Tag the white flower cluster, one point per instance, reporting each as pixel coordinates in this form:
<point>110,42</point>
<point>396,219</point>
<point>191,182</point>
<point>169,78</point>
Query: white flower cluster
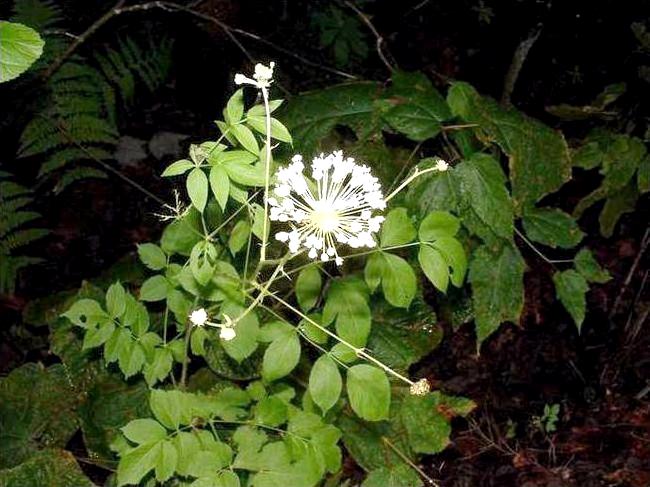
<point>199,317</point>
<point>334,206</point>
<point>262,78</point>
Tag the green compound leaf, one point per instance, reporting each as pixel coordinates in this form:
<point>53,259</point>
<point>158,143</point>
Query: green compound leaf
<point>397,229</point>
<point>281,357</point>
<point>239,236</point>
<point>398,476</point>
<point>396,276</point>
<point>155,288</point>
<point>434,266</point>
<point>552,227</point>
<point>246,138</point>
<point>347,303</point>
<point>20,47</point>
<point>220,185</point>
<point>589,268</point>
<point>438,224</point>
<point>144,430</point>
<point>369,392</point>
<point>539,157</point>
<point>152,256</point>
<point>197,188</point>
<point>325,383</point>
<point>308,287</point>
<point>498,288</point>
<point>116,300</point>
<point>571,288</point>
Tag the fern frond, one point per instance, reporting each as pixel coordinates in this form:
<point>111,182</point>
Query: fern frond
<point>77,174</point>
<point>9,189</point>
<point>16,204</point>
<point>12,220</point>
<point>38,14</point>
<point>60,158</point>
<point>19,239</point>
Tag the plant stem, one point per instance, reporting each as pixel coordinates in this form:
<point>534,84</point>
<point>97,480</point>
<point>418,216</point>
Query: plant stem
<point>416,174</point>
<point>188,334</point>
<point>267,173</point>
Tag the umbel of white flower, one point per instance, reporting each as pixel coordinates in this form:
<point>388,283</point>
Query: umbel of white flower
<point>199,317</point>
<point>262,78</point>
<point>334,206</point>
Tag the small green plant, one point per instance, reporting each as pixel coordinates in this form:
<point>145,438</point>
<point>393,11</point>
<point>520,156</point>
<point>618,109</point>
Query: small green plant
<point>342,34</point>
<point>547,422</point>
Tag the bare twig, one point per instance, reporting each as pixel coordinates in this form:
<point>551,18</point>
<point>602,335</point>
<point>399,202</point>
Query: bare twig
<point>539,252</point>
<point>380,40</point>
<point>518,59</point>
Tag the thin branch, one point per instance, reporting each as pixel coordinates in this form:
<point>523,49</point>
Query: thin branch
<point>539,252</point>
<point>518,59</point>
<point>380,40</point>
<point>645,242</point>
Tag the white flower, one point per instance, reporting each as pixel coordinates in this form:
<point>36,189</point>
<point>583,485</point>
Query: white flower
<point>262,78</point>
<point>334,206</point>
<point>199,317</point>
<point>441,165</point>
<point>227,333</point>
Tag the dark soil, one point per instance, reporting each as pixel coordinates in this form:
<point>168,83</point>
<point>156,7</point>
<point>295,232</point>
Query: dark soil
<point>599,378</point>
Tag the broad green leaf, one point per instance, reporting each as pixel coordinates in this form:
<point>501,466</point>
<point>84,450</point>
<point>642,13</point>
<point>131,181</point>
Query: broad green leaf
<point>220,185</point>
<point>397,278</point>
<point>438,224</point>
<point>433,191</point>
<point>239,236</point>
<point>552,227</point>
<point>311,116</point>
<point>589,268</point>
<point>86,313</point>
<point>20,47</point>
<point>416,89</point>
<point>234,156</point>
<point>308,287</point>
<point>259,110</point>
<point>178,168</point>
<point>116,300</point>
<point>245,343</point>
<point>167,407</point>
<point>347,303</point>
<point>398,476</point>
<point>161,365</point>
<point>571,288</point>
<point>51,466</point>
<point>258,222</point>
<point>311,331</point>
<point>152,256</point>
<point>274,329</point>
<point>180,236</point>
<point>413,121</point>
<point>397,229</point>
<point>619,203</point>
<point>325,383</point>
<point>344,353</point>
<point>144,430</point>
<point>155,289</point>
<point>166,461</point>
<point>235,107</point>
<point>95,337</point>
<point>483,192</point>
<point>137,463</point>
<point>497,286</point>
<point>539,157</point>
<point>369,392</point>
<point>281,357</point>
<point>454,253</point>
<point>434,266</point>
<point>278,131</point>
<point>246,138</point>
<point>271,411</point>
<point>245,174</point>
<point>203,260</point>
<point>131,358</point>
<point>197,188</point>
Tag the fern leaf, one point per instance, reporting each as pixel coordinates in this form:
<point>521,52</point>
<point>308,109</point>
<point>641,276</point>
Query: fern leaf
<point>77,174</point>
<point>13,220</point>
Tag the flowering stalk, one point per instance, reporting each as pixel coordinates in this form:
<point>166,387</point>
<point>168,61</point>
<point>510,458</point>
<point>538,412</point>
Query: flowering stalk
<point>440,166</point>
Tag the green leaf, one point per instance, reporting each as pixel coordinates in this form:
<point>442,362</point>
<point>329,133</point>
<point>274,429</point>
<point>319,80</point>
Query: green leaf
<point>245,174</point>
<point>271,411</point>
<point>571,288</point>
<point>397,229</point>
<point>86,313</point>
<point>483,192</point>
<point>137,463</point>
<point>438,224</point>
<point>220,185</point>
<point>235,107</point>
<point>281,357</point>
<point>454,253</point>
<point>116,300</point>
<point>144,430</point>
<point>347,303</point>
<point>369,392</point>
<point>398,476</point>
<point>203,259</point>
<point>434,266</point>
<point>161,365</point>
<point>616,205</point>
<point>308,287</point>
<point>246,138</point>
<point>278,131</point>
<point>643,175</point>
<point>414,122</point>
<point>166,461</point>
<point>397,278</point>
<point>131,358</point>
<point>98,336</point>
<point>197,188</point>
<point>552,227</point>
<point>52,467</point>
<point>20,47</point>
<point>178,168</point>
<point>311,116</point>
<point>589,268</point>
<point>155,289</point>
<point>167,407</point>
<point>539,157</point>
<point>239,236</point>
<point>497,286</point>
<point>433,191</point>
<point>152,256</point>
<point>245,343</point>
<point>325,383</point>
